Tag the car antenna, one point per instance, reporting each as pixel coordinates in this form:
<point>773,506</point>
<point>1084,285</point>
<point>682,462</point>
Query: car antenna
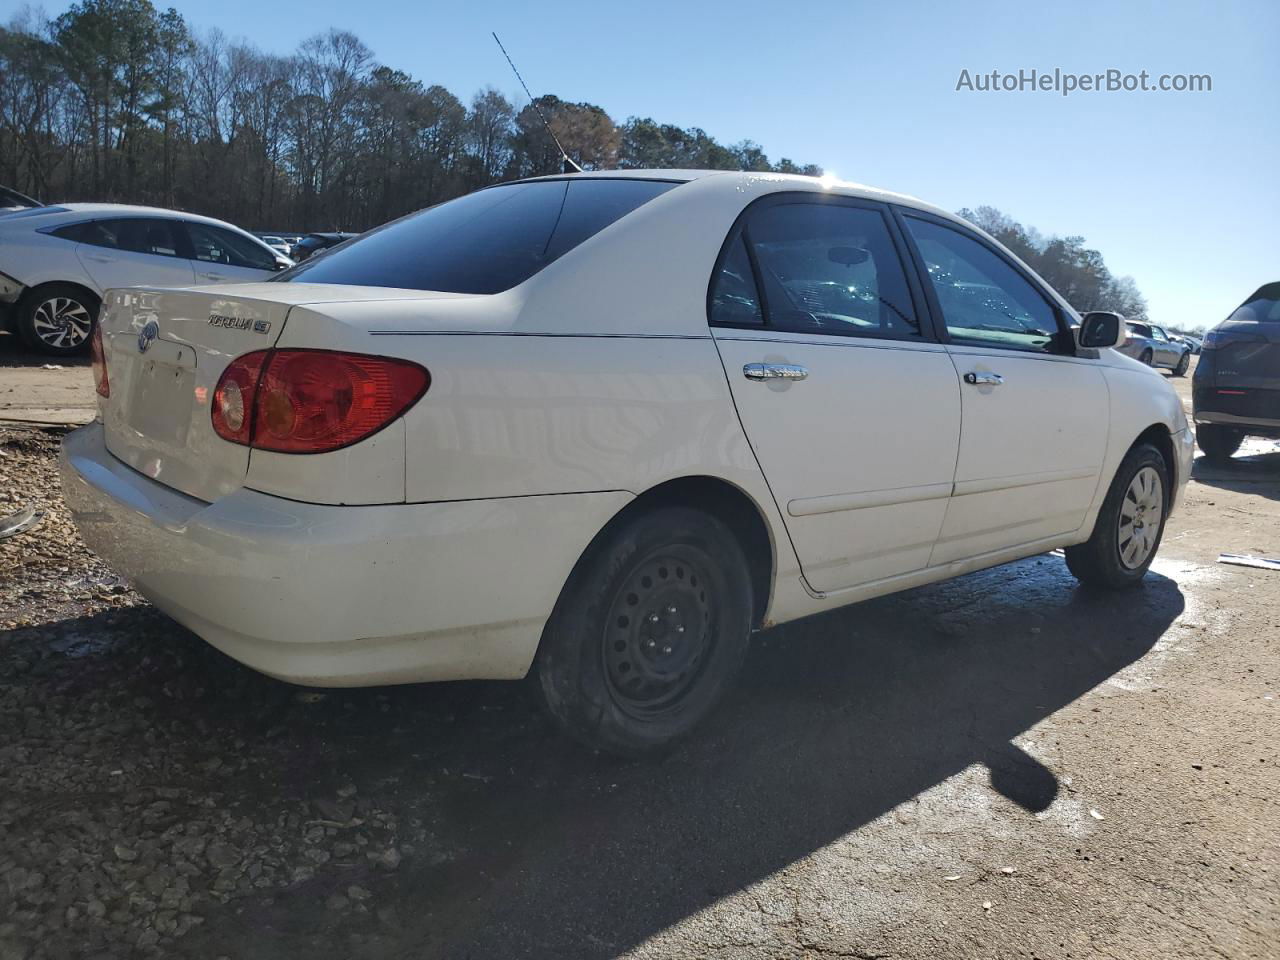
<point>569,166</point>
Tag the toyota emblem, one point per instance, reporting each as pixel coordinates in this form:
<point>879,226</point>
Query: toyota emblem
<point>147,334</point>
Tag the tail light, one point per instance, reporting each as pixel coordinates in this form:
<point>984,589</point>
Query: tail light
<point>312,401</point>
<point>100,381</point>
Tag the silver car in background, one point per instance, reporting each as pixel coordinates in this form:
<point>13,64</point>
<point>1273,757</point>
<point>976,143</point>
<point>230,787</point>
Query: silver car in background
<point>1155,348</point>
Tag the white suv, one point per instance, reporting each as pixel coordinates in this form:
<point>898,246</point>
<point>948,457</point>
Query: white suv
<point>56,261</point>
<point>605,426</point>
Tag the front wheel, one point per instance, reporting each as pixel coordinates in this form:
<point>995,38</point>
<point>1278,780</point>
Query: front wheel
<point>1218,442</point>
<point>1183,362</point>
<point>1129,525</point>
<point>648,633</point>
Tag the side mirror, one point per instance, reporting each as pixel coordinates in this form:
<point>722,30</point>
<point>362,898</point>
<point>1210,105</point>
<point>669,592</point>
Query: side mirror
<point>1099,329</point>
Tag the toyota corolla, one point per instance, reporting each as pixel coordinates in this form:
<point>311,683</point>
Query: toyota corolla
<point>602,427</point>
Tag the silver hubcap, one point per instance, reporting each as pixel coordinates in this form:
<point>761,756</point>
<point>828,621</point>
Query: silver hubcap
<point>62,322</point>
<point>1140,513</point>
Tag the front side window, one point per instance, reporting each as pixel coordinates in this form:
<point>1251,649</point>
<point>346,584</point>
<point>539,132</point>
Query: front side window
<point>1159,334</point>
<point>830,268</point>
<point>985,301</point>
<point>212,244</point>
<point>484,242</point>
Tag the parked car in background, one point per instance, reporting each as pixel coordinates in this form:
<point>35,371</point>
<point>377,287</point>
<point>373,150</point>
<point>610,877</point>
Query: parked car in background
<point>601,428</point>
<point>1236,388</point>
<point>56,261</point>
<point>278,244</point>
<point>11,199</point>
<point>1151,345</point>
<point>313,243</point>
<point>1192,342</point>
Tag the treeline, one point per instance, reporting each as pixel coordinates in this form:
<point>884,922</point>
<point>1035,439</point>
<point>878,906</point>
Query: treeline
<point>1074,270</point>
<point>114,100</point>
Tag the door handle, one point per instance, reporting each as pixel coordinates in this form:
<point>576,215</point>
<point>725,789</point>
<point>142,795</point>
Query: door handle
<point>774,371</point>
<point>984,379</point>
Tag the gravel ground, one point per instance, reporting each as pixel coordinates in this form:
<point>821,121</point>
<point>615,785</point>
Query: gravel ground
<point>1003,765</point>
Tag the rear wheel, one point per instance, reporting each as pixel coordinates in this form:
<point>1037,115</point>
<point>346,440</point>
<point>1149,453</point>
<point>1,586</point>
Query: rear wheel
<point>1147,357</point>
<point>1184,361</point>
<point>1218,442</point>
<point>648,633</point>
<point>1129,525</point>
<point>57,319</point>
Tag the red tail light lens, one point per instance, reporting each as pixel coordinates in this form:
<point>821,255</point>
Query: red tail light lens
<point>100,381</point>
<point>233,397</point>
<point>312,401</point>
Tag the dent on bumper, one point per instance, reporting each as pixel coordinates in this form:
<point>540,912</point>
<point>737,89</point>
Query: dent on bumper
<point>339,595</point>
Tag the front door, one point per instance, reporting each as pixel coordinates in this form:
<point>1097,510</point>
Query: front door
<point>220,256</point>
<point>1035,416</point>
<point>852,409</point>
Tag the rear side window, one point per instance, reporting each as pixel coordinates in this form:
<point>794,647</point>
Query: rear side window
<point>830,268</point>
<point>1262,307</point>
<point>734,300</point>
<point>485,242</point>
<point>142,235</point>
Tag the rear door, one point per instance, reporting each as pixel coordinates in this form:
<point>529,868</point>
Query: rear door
<point>223,256</point>
<point>851,407</point>
<point>133,251</point>
<point>1035,415</point>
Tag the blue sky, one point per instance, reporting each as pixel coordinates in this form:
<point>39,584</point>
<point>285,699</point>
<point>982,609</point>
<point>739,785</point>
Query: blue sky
<point>1180,190</point>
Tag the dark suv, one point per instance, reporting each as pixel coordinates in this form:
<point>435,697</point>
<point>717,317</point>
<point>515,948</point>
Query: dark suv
<point>1236,387</point>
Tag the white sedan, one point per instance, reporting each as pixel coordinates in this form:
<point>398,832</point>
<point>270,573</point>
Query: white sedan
<point>56,261</point>
<point>603,427</point>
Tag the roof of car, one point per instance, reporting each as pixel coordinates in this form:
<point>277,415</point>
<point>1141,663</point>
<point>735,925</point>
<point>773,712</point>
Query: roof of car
<point>127,210</point>
<point>732,178</point>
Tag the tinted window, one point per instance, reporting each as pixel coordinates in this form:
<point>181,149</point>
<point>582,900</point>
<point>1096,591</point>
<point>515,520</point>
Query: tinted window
<point>485,242</point>
<point>215,245</point>
<point>734,298</point>
<point>141,235</point>
<point>1263,306</point>
<point>830,268</point>
<point>984,300</point>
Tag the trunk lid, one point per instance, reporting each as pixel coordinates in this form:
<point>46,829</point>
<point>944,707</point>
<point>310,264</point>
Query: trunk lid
<point>164,352</point>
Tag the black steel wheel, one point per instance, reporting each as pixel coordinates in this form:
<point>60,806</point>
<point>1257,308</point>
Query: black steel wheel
<point>649,631</point>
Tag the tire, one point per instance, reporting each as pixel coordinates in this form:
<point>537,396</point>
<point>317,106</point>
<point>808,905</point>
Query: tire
<point>57,319</point>
<point>1218,442</point>
<point>616,678</point>
<point>1183,363</point>
<point>1109,557</point>
<point>1147,357</point>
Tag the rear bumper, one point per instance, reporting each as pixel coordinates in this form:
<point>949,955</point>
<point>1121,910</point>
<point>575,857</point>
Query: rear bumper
<point>1250,407</point>
<point>338,595</point>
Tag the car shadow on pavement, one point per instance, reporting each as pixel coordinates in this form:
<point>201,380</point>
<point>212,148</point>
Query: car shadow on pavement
<point>15,353</point>
<point>539,848</point>
<point>517,842</point>
<point>1254,469</point>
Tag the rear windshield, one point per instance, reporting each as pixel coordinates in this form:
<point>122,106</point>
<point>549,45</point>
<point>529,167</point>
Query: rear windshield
<point>1263,306</point>
<point>485,242</point>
